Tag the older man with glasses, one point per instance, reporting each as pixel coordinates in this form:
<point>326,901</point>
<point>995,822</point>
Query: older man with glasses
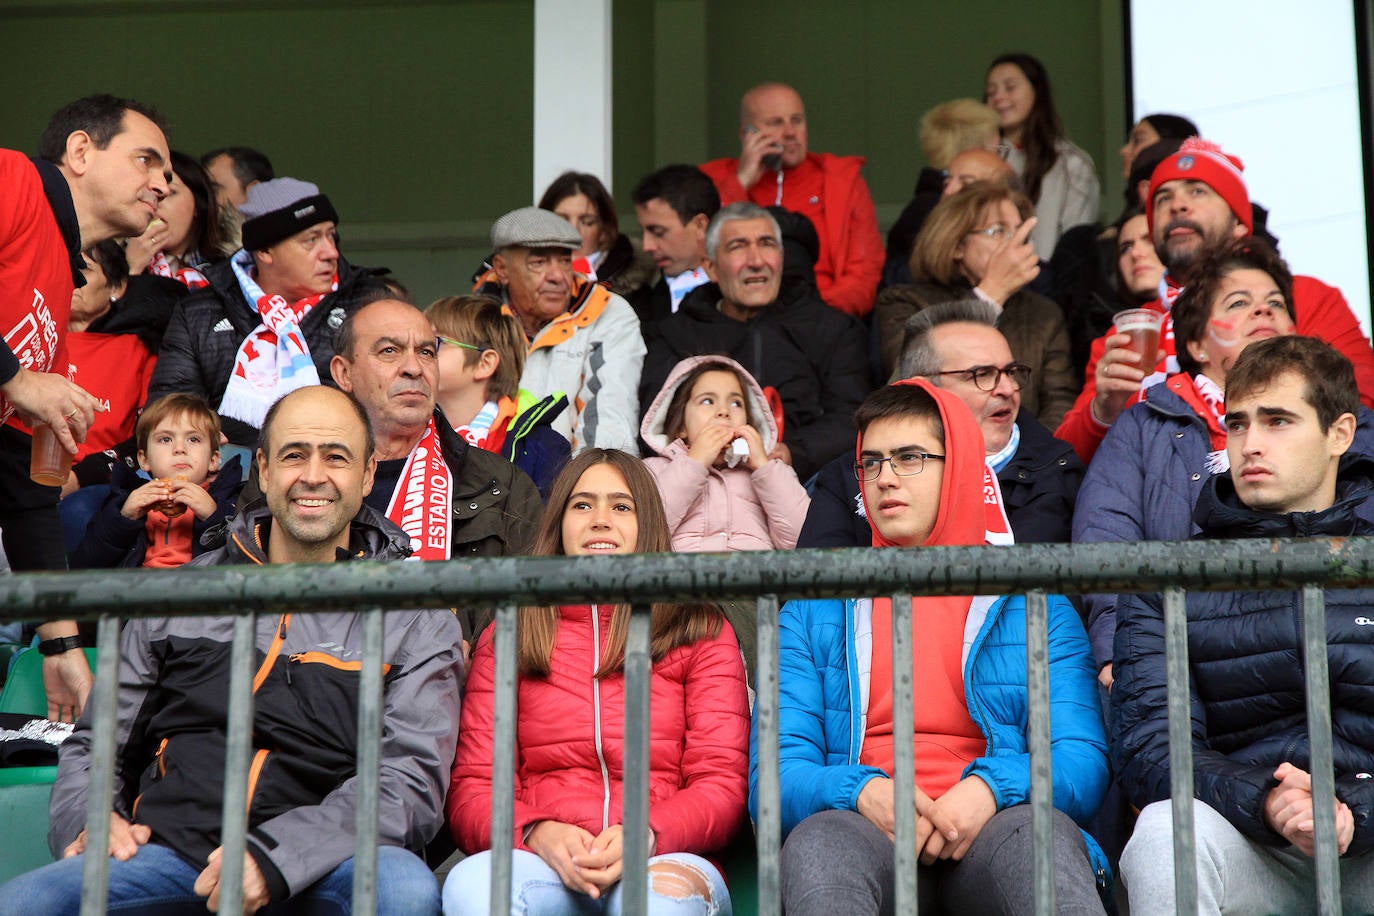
<point>957,346</point>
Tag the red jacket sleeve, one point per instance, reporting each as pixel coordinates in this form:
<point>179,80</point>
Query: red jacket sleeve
<point>468,806</point>
<point>1322,312</point>
<point>1078,427</point>
<point>722,173</point>
<point>851,283</point>
<point>709,808</point>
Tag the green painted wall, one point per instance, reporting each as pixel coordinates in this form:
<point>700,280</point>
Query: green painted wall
<point>414,117</point>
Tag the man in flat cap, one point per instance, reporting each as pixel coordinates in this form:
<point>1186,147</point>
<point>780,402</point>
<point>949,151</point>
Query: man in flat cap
<point>584,339</point>
<point>265,325</point>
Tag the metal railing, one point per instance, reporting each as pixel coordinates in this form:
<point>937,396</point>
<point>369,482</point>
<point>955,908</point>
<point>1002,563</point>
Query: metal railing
<point>640,580</point>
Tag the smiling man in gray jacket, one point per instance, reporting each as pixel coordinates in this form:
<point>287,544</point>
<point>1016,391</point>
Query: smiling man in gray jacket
<point>316,463</point>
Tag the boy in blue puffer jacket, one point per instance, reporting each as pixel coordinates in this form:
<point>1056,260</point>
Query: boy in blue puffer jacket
<point>924,483</point>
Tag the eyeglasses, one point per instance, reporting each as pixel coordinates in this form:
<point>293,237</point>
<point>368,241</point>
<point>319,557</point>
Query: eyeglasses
<point>904,464</point>
<point>996,232</point>
<point>449,341</point>
<point>987,378</point>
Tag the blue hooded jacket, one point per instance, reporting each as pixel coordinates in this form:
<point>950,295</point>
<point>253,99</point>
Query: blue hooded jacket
<point>825,656</point>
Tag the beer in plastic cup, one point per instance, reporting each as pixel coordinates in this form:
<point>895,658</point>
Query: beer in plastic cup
<point>1143,325</point>
<point>50,462</point>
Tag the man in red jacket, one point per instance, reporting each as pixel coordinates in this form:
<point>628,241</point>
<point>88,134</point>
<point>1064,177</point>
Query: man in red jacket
<point>1198,202</point>
<point>102,169</point>
<point>775,168</point>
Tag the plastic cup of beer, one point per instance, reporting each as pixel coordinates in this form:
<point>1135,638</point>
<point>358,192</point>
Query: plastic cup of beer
<point>1143,326</point>
<point>50,461</point>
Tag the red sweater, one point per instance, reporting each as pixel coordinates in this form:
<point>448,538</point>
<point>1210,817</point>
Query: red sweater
<point>116,369</point>
<point>570,724</point>
<point>1320,311</point>
<point>35,272</point>
<point>830,191</point>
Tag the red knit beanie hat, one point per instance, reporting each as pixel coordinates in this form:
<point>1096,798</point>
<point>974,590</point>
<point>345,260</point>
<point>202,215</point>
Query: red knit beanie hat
<point>1201,160</point>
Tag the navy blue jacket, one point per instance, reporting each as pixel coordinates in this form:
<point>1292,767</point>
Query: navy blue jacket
<point>1039,486</point>
<point>1246,676</point>
<point>113,541</point>
<point>1145,480</point>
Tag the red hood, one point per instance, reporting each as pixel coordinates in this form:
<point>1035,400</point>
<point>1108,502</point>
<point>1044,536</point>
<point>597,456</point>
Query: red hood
<point>968,481</point>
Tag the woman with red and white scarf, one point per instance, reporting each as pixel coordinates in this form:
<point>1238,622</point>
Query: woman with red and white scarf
<point>1146,476</point>
<point>187,234</point>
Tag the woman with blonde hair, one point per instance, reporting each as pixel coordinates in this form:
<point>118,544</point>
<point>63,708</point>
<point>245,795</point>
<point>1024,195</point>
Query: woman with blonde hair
<point>946,131</point>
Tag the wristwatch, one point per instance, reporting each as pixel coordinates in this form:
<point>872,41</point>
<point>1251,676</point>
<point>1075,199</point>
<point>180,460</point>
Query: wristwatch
<point>59,645</point>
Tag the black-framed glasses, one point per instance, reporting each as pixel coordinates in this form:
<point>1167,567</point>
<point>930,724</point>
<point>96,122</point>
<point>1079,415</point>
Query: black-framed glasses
<point>451,342</point>
<point>904,464</point>
<point>986,378</point>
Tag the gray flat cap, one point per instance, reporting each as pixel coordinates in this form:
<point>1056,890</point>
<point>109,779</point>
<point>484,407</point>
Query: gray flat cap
<point>531,227</point>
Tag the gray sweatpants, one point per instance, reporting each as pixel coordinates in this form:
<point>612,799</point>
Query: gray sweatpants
<point>1234,874</point>
<point>839,862</point>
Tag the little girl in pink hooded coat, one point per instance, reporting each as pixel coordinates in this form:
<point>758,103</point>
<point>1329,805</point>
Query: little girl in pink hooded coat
<point>713,431</point>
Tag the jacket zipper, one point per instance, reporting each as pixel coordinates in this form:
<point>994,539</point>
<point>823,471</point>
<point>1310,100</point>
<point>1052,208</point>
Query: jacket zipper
<point>282,624</point>
<point>324,658</point>
<point>596,718</point>
<point>254,771</point>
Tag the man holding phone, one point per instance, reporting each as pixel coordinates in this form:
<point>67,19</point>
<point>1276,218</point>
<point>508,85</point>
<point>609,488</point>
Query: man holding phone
<point>775,168</point>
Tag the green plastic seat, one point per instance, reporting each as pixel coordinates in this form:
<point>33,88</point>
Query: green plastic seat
<point>24,791</point>
<point>741,865</point>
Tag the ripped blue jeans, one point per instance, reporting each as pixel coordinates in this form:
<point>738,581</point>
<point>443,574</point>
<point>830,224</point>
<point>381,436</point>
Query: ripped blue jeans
<point>536,889</point>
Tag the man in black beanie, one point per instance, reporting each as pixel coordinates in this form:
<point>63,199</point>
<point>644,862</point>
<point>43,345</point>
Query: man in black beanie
<point>265,325</point>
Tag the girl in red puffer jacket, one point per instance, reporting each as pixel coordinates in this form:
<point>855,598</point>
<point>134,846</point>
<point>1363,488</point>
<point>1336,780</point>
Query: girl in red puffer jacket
<point>570,747</point>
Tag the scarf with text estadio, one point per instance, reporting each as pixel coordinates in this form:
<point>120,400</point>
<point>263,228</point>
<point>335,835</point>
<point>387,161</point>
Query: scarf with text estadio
<point>422,502</point>
<point>274,359</point>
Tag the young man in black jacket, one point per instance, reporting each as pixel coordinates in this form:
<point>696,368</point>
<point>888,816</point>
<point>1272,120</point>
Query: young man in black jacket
<point>1290,419</point>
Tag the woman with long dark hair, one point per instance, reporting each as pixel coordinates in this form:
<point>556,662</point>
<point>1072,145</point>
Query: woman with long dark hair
<point>187,235</point>
<point>1057,176</point>
<point>570,749</point>
<point>607,255</point>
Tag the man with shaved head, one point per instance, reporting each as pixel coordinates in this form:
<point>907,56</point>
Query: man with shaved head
<point>776,168</point>
<point>316,464</point>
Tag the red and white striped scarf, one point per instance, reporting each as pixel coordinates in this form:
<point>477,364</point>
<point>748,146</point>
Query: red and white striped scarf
<point>422,503</point>
<point>274,359</point>
<point>187,276</point>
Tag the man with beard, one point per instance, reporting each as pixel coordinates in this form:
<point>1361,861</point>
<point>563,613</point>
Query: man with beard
<point>1197,203</point>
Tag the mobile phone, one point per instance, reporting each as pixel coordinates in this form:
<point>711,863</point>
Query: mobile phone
<point>770,161</point>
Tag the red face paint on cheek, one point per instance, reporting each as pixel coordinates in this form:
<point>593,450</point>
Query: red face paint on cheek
<point>1223,333</point>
